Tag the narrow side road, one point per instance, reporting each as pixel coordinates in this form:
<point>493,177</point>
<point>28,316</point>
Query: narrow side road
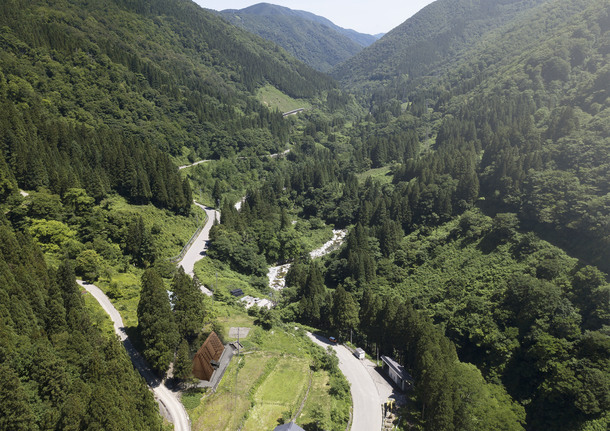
<point>163,395</point>
<point>193,164</point>
<point>365,396</point>
<point>200,245</point>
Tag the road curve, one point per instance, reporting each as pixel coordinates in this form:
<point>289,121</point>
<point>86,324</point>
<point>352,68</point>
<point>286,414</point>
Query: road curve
<point>198,249</point>
<point>367,414</point>
<point>163,395</point>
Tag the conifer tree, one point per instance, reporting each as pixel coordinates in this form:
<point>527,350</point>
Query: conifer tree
<point>183,365</point>
<point>156,322</point>
<point>188,305</point>
<point>344,316</point>
<point>313,294</point>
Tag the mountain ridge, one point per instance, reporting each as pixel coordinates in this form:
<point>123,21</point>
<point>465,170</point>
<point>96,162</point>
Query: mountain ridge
<point>363,39</point>
<point>434,37</point>
<point>312,39</point>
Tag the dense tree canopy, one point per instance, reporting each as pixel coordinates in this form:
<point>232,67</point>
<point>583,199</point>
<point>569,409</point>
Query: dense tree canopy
<point>58,370</point>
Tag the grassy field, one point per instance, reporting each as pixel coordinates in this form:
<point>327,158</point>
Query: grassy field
<point>123,289</point>
<point>279,395</point>
<point>381,175</point>
<point>265,385</point>
<point>274,98</point>
<point>315,406</point>
<point>256,392</point>
<point>220,278</point>
<point>226,409</point>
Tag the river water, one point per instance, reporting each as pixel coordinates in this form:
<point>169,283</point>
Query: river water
<point>277,274</point>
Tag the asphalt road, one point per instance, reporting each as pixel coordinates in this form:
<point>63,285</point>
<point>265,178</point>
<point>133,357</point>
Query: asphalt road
<point>163,395</point>
<point>193,164</point>
<point>200,245</point>
<point>365,396</point>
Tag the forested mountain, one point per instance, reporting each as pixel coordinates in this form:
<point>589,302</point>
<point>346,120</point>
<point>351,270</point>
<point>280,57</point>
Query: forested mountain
<point>482,164</point>
<point>96,98</point>
<point>430,42</point>
<point>266,9</point>
<point>97,95</point>
<point>475,191</point>
<point>310,38</point>
<point>57,370</point>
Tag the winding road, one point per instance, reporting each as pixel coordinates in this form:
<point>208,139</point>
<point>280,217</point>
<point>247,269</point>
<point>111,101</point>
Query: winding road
<point>198,249</point>
<point>366,395</point>
<point>166,398</point>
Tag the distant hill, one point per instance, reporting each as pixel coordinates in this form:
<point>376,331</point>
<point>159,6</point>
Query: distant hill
<point>311,38</point>
<point>434,38</point>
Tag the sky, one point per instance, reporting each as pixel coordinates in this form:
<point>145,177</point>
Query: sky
<point>365,16</point>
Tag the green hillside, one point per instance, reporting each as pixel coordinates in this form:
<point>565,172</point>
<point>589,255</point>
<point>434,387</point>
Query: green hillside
<point>57,370</point>
<point>107,90</point>
<point>430,42</point>
<point>472,182</point>
<point>310,38</point>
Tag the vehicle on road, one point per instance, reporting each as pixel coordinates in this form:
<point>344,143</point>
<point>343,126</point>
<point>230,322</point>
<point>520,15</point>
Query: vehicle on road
<point>359,353</point>
<point>332,340</point>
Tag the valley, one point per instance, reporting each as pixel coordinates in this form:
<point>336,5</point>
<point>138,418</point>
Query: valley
<point>439,196</point>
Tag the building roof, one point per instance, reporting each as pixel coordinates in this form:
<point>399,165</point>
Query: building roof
<point>397,368</point>
<point>237,292</point>
<point>290,426</point>
<point>211,350</point>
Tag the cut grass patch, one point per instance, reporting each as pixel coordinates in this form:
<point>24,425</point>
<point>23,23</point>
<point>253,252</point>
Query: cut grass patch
<point>226,409</point>
<point>381,175</point>
<point>316,404</point>
<point>285,384</point>
<point>274,98</point>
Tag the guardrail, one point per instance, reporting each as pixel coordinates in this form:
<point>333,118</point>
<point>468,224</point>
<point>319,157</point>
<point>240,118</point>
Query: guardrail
<point>188,245</point>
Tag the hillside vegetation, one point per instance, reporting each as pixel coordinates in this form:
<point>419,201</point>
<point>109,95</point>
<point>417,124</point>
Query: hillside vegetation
<point>516,130</point>
<point>312,39</point>
<point>429,43</point>
<point>473,183</point>
<point>57,370</point>
<point>99,95</point>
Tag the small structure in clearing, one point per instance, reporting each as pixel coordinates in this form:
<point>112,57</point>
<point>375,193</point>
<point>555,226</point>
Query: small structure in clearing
<point>207,358</point>
<point>397,373</point>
